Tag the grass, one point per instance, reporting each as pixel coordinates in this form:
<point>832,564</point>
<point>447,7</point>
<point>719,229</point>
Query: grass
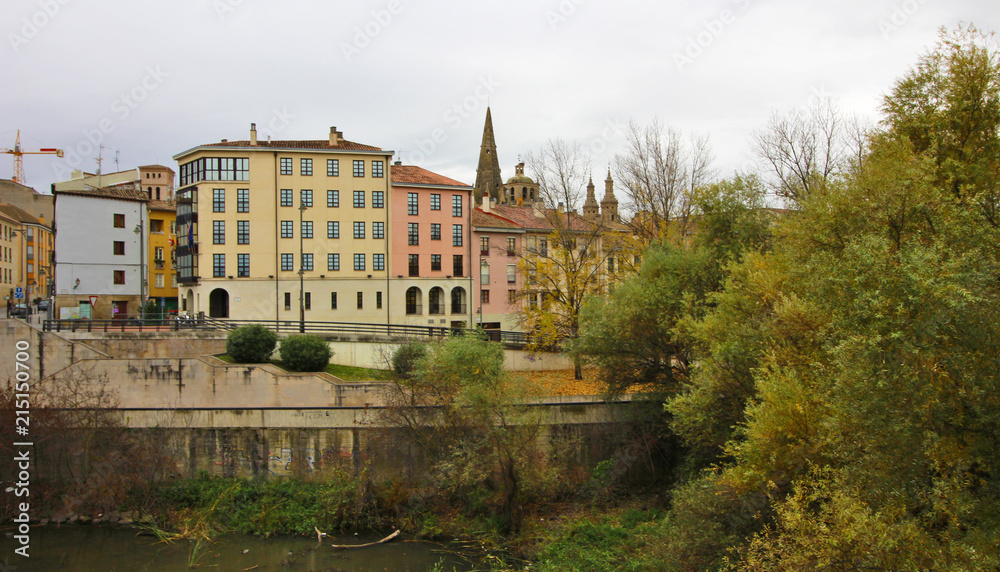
<point>344,372</point>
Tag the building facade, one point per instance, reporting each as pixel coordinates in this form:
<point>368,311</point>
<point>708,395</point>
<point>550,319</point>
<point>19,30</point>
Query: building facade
<point>157,182</point>
<point>35,259</point>
<point>99,248</point>
<point>284,230</point>
<point>430,249</point>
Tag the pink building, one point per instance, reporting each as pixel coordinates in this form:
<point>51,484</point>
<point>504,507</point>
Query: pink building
<point>431,249</point>
<point>498,241</point>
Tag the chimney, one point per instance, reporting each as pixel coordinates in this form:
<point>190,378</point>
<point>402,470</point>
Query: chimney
<point>562,206</point>
<point>486,202</point>
<point>253,134</point>
<point>538,209</point>
<point>335,137</point>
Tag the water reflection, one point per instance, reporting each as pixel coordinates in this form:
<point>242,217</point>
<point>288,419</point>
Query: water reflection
<point>108,549</point>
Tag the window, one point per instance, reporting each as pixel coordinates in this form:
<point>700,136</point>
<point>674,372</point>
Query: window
<point>287,229</point>
<point>531,245</point>
<point>333,300</point>
<point>306,167</point>
<point>378,229</point>
<point>156,226</point>
<point>361,300</point>
<point>158,280</point>
<point>611,264</point>
<point>242,232</point>
<point>413,233</point>
<point>242,200</point>
<point>359,229</point>
<point>435,231</point>
<point>456,205</point>
<point>456,235</point>
<point>306,198</point>
<point>457,265</point>
<point>377,169</point>
<point>378,199</point>
<point>286,197</point>
<point>511,296</point>
<point>484,296</point>
<point>288,300</point>
<point>333,229</point>
<point>543,246</point>
<point>484,245</point>
<point>287,262</point>
<point>158,253</point>
<point>378,262</point>
<point>308,302</point>
<point>119,246</point>
<point>218,265</point>
<point>412,204</point>
<point>435,262</point>
<point>484,273</point>
<point>414,265</point>
<point>378,300</point>
<point>359,199</point>
<point>435,202</point>
<point>511,273</point>
<point>359,168</point>
<point>333,261</point>
<point>413,301</point>
<point>119,276</point>
<point>333,199</point>
<point>333,167</point>
<point>307,229</point>
<point>511,246</point>
<point>359,261</point>
<point>286,165</point>
<point>243,265</point>
<point>218,200</point>
<point>307,261</point>
<point>218,232</point>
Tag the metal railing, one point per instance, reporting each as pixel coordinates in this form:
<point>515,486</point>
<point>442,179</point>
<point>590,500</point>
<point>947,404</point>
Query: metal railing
<point>357,330</point>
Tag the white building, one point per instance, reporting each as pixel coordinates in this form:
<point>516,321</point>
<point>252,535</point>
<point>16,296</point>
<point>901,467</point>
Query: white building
<point>99,245</point>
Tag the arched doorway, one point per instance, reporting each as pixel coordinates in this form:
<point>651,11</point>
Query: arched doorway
<point>413,301</point>
<point>435,301</point>
<point>458,300</point>
<point>218,303</point>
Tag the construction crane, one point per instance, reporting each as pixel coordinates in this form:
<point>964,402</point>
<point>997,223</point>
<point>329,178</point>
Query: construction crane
<point>19,164</point>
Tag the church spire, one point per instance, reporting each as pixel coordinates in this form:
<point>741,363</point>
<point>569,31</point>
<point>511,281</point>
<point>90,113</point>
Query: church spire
<point>609,204</point>
<point>590,208</point>
<point>488,174</point>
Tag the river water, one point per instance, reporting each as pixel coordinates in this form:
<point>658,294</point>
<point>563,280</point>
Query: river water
<point>114,549</point>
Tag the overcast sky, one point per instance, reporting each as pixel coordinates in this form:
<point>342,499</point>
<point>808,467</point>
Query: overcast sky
<point>151,79</point>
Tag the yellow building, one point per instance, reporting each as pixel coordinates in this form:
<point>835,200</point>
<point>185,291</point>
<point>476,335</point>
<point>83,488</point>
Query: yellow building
<point>33,251</point>
<point>157,182</point>
<point>284,230</point>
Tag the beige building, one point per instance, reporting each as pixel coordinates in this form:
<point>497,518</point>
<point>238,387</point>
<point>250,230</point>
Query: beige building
<point>33,249</point>
<point>284,230</point>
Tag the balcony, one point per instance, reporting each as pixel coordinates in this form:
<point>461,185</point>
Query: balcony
<point>159,264</point>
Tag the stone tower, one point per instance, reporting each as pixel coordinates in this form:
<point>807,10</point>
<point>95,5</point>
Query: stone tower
<point>609,204</point>
<point>488,174</point>
<point>590,209</point>
<point>520,189</point>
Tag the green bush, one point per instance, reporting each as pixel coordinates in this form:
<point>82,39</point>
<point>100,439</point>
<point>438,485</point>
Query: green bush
<point>404,360</point>
<point>251,344</point>
<point>305,353</point>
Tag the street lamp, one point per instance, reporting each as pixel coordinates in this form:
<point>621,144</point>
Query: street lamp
<point>302,270</point>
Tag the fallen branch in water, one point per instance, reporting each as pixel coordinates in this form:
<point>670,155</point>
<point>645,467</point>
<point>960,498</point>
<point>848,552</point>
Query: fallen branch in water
<point>346,546</point>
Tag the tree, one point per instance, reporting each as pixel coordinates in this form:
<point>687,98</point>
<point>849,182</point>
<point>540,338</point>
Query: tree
<point>872,412</point>
<point>640,335</point>
<point>807,148</point>
<point>472,419</point>
<point>567,267</point>
<point>561,169</point>
<point>660,172</point>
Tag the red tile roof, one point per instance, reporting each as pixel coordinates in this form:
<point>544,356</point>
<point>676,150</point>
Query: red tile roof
<point>491,220</point>
<point>161,205</point>
<point>413,175</point>
<point>343,145</point>
<point>126,194</point>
